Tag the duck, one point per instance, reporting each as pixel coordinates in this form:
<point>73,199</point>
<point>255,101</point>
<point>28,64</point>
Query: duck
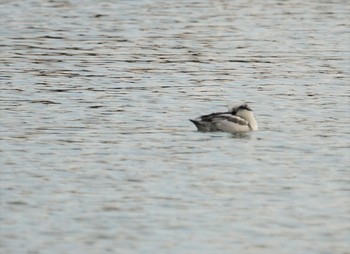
<point>238,118</point>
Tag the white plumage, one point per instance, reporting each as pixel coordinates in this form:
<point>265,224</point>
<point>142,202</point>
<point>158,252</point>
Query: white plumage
<point>237,119</point>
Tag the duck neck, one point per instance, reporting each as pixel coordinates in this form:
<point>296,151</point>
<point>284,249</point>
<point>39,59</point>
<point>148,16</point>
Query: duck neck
<point>249,116</point>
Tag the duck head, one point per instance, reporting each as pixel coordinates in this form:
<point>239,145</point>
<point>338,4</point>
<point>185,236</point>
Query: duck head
<point>246,113</point>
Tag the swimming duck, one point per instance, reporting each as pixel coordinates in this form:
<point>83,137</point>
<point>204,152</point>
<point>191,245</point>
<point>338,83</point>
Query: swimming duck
<point>237,119</point>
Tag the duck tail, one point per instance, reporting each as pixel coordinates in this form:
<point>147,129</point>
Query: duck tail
<point>194,122</point>
<point>199,125</point>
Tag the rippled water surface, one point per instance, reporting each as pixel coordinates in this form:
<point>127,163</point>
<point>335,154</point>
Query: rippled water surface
<point>96,151</point>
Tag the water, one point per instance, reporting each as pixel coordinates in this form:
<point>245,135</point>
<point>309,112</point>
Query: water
<point>98,155</point>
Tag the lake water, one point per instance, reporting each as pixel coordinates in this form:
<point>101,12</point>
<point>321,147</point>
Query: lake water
<point>96,151</point>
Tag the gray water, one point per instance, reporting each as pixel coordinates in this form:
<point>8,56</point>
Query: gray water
<point>96,151</point>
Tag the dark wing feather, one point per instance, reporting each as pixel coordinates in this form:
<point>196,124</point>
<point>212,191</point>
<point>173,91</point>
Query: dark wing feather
<point>237,119</point>
<point>216,117</point>
<point>212,122</point>
<point>211,117</point>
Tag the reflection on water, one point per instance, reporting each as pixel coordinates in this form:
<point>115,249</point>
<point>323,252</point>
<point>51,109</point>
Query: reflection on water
<point>98,155</point>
